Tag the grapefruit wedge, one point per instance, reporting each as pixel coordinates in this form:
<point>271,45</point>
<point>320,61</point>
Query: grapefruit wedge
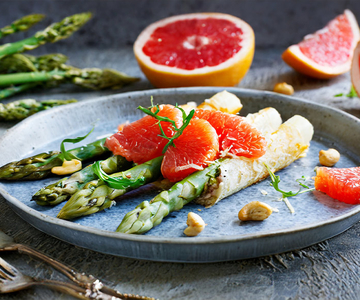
<point>342,184</point>
<point>327,52</point>
<point>194,150</point>
<point>200,49</point>
<point>140,141</point>
<point>355,69</point>
<point>236,135</point>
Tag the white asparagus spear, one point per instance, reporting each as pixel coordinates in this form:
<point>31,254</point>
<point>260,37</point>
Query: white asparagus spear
<point>285,146</point>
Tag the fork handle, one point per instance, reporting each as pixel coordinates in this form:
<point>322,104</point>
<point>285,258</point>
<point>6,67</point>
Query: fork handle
<point>74,290</point>
<point>83,280</point>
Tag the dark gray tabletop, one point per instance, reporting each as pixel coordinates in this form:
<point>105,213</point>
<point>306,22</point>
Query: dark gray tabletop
<point>328,270</point>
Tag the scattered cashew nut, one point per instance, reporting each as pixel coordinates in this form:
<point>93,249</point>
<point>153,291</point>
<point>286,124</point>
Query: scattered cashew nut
<point>195,224</point>
<point>284,88</point>
<point>68,167</point>
<point>255,211</point>
<point>329,157</point>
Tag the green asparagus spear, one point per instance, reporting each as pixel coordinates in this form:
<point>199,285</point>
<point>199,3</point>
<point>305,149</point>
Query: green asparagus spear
<point>20,63</point>
<point>63,189</point>
<point>20,78</point>
<point>51,34</point>
<point>39,166</point>
<point>10,91</point>
<point>21,109</point>
<point>96,195</point>
<point>92,78</point>
<point>150,214</point>
<point>21,24</point>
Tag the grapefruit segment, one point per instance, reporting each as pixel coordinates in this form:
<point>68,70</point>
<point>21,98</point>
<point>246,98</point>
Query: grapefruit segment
<point>200,49</point>
<point>236,135</point>
<point>194,150</point>
<point>342,184</point>
<point>139,141</point>
<point>327,52</point>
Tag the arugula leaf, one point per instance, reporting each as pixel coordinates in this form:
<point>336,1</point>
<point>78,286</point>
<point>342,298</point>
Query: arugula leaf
<point>118,183</point>
<point>352,93</point>
<point>65,155</point>
<point>179,131</point>
<point>275,180</point>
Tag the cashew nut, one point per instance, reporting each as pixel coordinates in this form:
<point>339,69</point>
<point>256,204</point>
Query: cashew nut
<point>284,88</point>
<point>68,167</point>
<point>195,224</point>
<point>255,211</point>
<point>329,157</point>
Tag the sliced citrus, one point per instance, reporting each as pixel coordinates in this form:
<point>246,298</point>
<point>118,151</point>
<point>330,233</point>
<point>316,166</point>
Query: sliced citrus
<point>355,69</point>
<point>194,149</point>
<point>327,52</point>
<point>342,184</point>
<point>139,141</point>
<point>236,135</point>
<point>200,49</point>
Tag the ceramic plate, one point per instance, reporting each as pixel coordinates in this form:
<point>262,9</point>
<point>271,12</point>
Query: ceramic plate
<point>317,217</point>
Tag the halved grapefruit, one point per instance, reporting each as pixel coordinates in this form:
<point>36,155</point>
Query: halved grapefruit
<point>236,135</point>
<point>342,184</point>
<point>200,49</point>
<point>355,69</point>
<point>194,150</point>
<point>140,141</point>
<point>327,52</point>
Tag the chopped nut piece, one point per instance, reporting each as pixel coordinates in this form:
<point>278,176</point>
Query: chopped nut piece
<point>196,224</point>
<point>284,88</point>
<point>68,167</point>
<point>255,211</point>
<point>329,157</point>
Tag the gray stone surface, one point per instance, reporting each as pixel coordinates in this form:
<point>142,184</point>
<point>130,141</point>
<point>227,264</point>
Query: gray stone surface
<point>329,270</point>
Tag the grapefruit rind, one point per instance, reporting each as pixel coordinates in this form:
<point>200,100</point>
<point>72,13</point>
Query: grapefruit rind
<point>228,73</point>
<point>297,60</point>
<point>355,69</point>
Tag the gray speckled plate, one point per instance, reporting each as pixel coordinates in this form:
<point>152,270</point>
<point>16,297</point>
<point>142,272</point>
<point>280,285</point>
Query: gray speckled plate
<point>317,217</point>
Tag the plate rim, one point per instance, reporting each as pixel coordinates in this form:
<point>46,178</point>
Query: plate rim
<point>173,240</point>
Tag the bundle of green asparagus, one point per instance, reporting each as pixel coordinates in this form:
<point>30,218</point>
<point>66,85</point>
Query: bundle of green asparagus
<point>22,72</point>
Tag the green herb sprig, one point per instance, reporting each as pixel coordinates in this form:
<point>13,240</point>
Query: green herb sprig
<point>65,155</point>
<point>275,180</point>
<point>118,183</point>
<point>351,94</point>
<point>179,131</point>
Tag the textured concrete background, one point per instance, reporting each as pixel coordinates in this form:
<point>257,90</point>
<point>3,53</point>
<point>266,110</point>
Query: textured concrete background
<point>329,270</point>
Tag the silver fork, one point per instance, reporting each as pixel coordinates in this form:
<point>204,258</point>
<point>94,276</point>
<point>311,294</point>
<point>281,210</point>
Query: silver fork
<point>85,281</point>
<point>12,280</point>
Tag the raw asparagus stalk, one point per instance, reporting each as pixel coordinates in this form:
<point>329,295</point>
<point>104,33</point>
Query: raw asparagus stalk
<point>20,63</point>
<point>10,91</point>
<point>21,78</point>
<point>92,78</point>
<point>21,109</point>
<point>150,214</point>
<point>51,34</point>
<point>39,166</point>
<point>21,24</point>
<point>63,189</point>
<point>96,195</point>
